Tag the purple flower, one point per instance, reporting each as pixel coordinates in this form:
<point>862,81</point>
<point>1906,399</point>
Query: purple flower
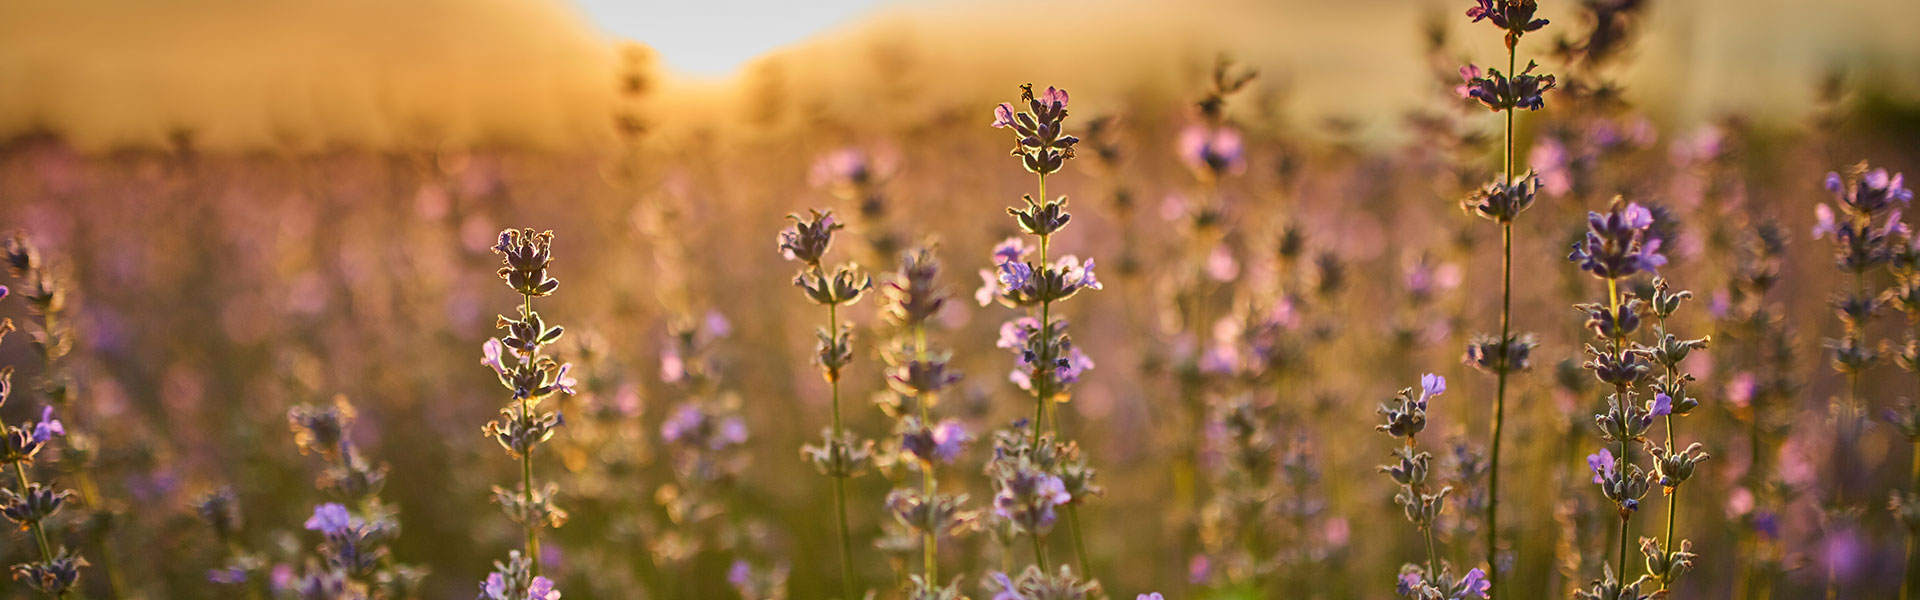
<point>1514,16</point>
<point>1015,275</point>
<point>229,575</point>
<point>1618,244</point>
<point>3,292</point>
<point>673,368</point>
<point>717,325</point>
<point>1055,97</point>
<point>1220,359</point>
<point>1012,249</point>
<point>684,423</point>
<point>1003,115</point>
<point>1474,585</point>
<point>542,589</point>
<point>740,574</point>
<point>1071,367</point>
<point>1006,589</point>
<point>491,354</point>
<point>1212,152</point>
<point>1497,91</point>
<point>1741,388</point>
<point>47,427</point>
<point>989,287</point>
<point>563,381</point>
<point>1549,159</point>
<point>1431,385</point>
<point>1662,405</point>
<point>330,519</point>
<point>1408,583</point>
<point>1076,274</point>
<point>943,442</point>
<point>1824,224</point>
<point>844,168</point>
<point>1151,596</point>
<point>1014,334</point>
<point>1601,464</point>
<point>1028,497</point>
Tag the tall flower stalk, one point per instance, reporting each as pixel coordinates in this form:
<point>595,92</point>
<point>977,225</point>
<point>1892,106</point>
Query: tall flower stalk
<point>1673,464</point>
<point>918,373</point>
<point>357,527</point>
<point>1864,225</point>
<point>1905,505</point>
<point>842,456</point>
<point>29,505</point>
<point>44,291</point>
<point>517,362</point>
<point>1048,361</point>
<point>1616,247</point>
<point>1502,201</point>
<point>1405,417</point>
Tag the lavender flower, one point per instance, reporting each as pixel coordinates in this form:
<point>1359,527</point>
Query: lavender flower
<point>1515,16</point>
<point>1039,141</point>
<point>525,257</point>
<point>1617,244</point>
<point>1497,92</point>
<point>1212,153</point>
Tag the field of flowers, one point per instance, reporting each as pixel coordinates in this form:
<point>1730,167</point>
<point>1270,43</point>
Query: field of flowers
<point>1546,343</point>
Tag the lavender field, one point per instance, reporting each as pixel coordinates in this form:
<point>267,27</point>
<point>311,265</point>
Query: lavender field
<point>1462,299</point>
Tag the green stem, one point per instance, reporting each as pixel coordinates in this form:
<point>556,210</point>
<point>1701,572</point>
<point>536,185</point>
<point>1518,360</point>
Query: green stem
<point>840,483</point>
<point>1043,397</point>
<point>1433,561</point>
<point>1625,459</point>
<point>930,542</point>
<point>1500,377</point>
<point>526,458</point>
<point>1673,497</point>
<point>1040,553</point>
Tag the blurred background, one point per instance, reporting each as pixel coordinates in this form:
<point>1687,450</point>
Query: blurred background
<point>255,206</point>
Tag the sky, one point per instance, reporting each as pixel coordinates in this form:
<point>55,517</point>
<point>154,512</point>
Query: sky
<point>712,38</point>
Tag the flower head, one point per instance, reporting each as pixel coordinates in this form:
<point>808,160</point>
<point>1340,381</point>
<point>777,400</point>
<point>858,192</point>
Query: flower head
<point>330,519</point>
<point>1212,152</point>
<point>1619,244</point>
<point>1513,16</point>
<point>1039,139</point>
<point>1498,91</point>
